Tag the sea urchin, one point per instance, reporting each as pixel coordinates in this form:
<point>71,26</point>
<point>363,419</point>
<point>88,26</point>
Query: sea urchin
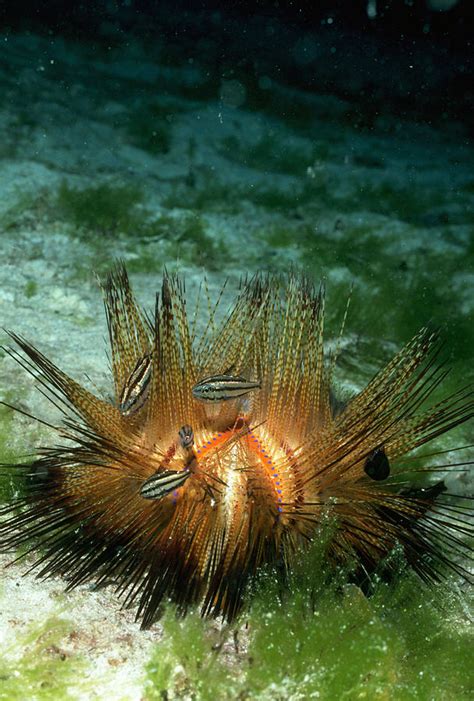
<point>172,496</point>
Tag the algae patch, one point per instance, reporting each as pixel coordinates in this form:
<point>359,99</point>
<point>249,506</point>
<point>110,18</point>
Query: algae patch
<point>186,662</point>
<point>37,667</point>
<point>324,639</point>
<point>103,208</point>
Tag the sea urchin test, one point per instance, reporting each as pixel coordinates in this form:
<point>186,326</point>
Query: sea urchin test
<point>171,495</point>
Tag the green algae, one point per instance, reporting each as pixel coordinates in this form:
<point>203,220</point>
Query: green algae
<point>113,209</point>
<point>31,289</point>
<point>394,645</point>
<point>188,228</point>
<point>151,242</point>
<point>24,207</point>
<point>327,640</point>
<point>103,208</point>
<point>183,238</point>
<point>36,667</point>
<point>187,661</point>
<point>324,639</point>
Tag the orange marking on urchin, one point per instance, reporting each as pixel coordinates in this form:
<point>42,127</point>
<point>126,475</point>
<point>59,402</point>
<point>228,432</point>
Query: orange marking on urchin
<point>264,470</point>
<point>218,440</point>
<point>261,451</point>
<point>267,457</point>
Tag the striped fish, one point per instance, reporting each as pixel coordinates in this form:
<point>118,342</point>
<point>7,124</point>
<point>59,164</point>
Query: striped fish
<point>220,388</point>
<point>162,483</point>
<point>136,388</point>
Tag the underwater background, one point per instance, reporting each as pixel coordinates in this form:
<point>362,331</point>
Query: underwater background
<point>218,139</point>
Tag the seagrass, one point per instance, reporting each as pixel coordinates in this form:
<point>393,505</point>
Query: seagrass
<point>267,468</point>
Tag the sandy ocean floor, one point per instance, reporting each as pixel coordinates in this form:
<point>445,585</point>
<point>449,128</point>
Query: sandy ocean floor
<point>119,153</point>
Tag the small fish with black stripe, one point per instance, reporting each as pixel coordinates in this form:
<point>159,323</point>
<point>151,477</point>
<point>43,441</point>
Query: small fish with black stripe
<point>164,482</point>
<point>137,387</point>
<point>222,388</point>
